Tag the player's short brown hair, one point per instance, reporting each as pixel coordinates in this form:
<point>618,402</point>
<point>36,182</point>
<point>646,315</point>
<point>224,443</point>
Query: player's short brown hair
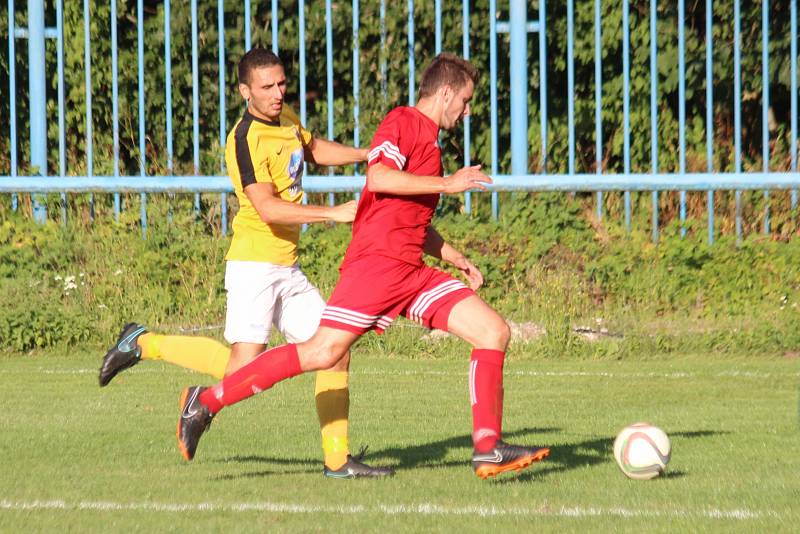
<point>255,59</point>
<point>447,69</point>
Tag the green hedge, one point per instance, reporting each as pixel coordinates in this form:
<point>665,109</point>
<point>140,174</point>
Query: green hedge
<point>543,263</point>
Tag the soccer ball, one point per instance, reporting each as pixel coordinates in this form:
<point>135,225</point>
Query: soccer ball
<point>642,451</point>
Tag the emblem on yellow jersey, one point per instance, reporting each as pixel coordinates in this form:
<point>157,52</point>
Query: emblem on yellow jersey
<point>295,171</point>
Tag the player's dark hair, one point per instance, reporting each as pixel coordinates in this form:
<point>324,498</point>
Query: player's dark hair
<point>255,59</point>
<point>447,69</point>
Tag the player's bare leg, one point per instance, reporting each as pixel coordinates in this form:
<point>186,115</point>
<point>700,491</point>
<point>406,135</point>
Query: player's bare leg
<point>480,325</point>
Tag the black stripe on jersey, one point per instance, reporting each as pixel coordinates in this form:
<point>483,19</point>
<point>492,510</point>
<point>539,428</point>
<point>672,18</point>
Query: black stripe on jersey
<point>247,174</point>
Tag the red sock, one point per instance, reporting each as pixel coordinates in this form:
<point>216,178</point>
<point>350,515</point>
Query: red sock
<point>266,370</point>
<point>486,396</point>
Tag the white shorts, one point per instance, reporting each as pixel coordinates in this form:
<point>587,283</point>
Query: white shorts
<point>264,294</point>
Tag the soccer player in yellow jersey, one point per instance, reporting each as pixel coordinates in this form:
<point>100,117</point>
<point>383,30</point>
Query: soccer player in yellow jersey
<point>264,154</point>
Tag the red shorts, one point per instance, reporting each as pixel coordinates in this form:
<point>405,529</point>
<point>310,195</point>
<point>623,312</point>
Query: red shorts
<point>373,291</point>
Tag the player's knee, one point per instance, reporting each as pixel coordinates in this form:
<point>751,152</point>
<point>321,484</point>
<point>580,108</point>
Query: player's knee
<point>495,335</point>
<point>328,356</point>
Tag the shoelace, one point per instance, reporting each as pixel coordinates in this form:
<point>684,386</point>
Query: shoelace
<point>360,456</point>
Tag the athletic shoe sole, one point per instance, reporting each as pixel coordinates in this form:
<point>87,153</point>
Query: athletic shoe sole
<point>486,471</point>
<point>181,404</point>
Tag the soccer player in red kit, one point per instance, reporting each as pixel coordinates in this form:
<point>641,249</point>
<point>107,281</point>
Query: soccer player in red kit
<point>382,275</point>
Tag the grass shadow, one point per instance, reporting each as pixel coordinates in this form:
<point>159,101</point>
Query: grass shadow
<point>588,453</point>
<point>562,458</point>
<point>432,454</point>
<point>267,460</point>
<point>265,473</point>
<point>252,459</point>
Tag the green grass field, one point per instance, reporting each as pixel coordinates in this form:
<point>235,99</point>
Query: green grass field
<point>75,457</point>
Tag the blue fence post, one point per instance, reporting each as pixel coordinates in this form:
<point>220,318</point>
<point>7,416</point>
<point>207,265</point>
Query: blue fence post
<point>62,163</point>
<point>115,103</point>
<point>329,79</point>
<point>737,111</point>
<point>765,102</point>
<point>356,85</point>
<point>301,35</point>
<point>195,104</point>
<point>626,116</point>
<point>12,96</point>
<point>598,103</point>
<point>682,108</point>
<point>570,87</point>
<point>493,96</point>
<point>274,26</point>
<point>412,97</point>
<point>465,53</point>
<point>383,56</point>
<point>793,99</point>
<point>709,117</point>
<point>518,18</point>
<point>87,75</point>
<point>38,99</point>
<point>542,78</point>
<point>168,92</point>
<point>223,126</point>
<point>437,27</point>
<point>247,21</point>
<point>142,140</point>
<point>654,116</point>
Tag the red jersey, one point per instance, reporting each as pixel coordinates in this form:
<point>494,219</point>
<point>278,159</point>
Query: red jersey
<point>390,225</point>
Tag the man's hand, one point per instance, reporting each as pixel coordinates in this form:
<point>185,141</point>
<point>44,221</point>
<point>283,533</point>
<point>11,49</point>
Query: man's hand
<point>344,213</point>
<point>465,179</point>
<point>471,273</point>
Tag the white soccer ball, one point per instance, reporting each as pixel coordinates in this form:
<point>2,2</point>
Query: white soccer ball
<point>642,451</point>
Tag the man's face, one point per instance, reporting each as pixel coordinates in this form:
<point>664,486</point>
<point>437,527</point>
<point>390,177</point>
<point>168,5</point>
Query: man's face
<point>265,91</point>
<point>456,105</point>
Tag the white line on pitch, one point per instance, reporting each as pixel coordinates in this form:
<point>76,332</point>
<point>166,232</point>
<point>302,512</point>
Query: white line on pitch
<point>394,509</point>
<point>733,373</point>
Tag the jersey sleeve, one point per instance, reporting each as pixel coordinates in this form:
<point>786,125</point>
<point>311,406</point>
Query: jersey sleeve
<point>305,135</point>
<point>391,143</point>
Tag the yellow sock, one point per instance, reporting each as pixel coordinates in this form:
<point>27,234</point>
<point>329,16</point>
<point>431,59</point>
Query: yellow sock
<point>201,354</point>
<point>333,407</point>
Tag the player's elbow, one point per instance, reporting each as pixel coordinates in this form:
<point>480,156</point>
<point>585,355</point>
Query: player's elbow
<point>266,216</point>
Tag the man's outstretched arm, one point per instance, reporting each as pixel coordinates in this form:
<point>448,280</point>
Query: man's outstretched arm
<point>384,179</point>
<point>324,152</point>
<point>436,246</point>
<point>274,210</point>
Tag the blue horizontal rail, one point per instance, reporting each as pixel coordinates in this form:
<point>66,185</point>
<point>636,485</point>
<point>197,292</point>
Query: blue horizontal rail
<point>343,184</point>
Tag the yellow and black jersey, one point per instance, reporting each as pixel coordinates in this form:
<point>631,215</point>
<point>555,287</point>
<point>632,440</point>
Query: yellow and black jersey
<point>260,151</point>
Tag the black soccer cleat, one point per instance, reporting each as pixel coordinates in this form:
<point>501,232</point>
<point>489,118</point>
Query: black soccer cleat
<point>195,418</point>
<point>356,469</point>
<point>124,354</point>
<point>506,457</point>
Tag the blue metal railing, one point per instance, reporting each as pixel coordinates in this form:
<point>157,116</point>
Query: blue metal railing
<point>523,20</point>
